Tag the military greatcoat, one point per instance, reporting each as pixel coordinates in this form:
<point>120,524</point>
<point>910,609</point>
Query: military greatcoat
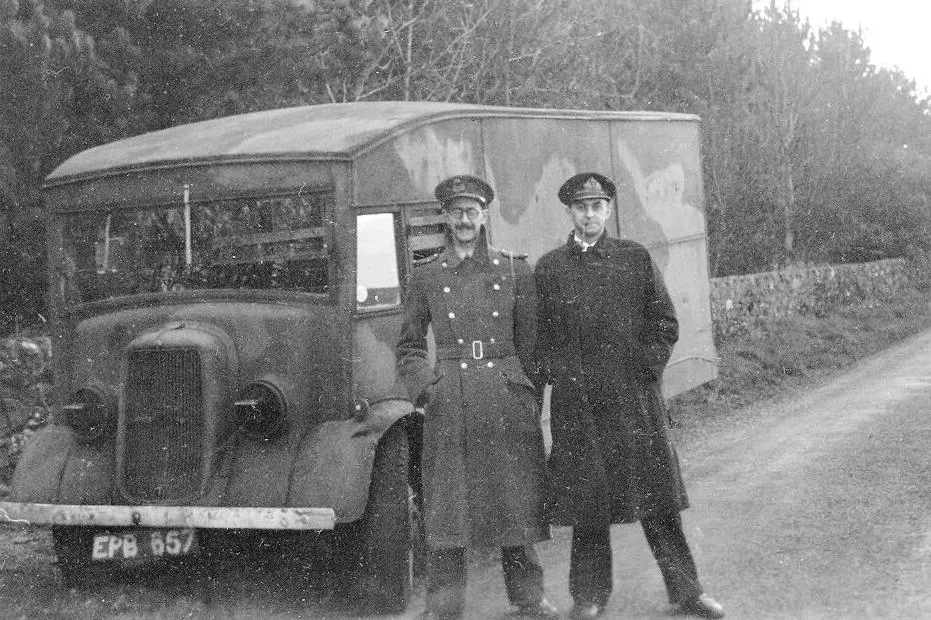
<point>483,457</point>
<point>606,331</point>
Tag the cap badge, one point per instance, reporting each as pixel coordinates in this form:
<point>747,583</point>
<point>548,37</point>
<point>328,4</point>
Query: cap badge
<point>592,185</point>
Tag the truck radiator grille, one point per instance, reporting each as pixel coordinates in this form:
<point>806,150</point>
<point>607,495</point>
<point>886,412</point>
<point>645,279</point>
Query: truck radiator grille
<point>164,440</point>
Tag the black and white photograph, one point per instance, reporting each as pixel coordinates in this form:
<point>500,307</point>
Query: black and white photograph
<point>465,309</point>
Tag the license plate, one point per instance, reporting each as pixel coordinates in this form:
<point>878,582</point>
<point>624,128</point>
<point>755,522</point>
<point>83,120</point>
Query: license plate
<point>141,544</point>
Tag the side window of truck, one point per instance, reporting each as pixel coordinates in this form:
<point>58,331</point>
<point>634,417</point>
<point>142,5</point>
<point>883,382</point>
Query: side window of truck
<point>377,281</point>
<point>425,233</point>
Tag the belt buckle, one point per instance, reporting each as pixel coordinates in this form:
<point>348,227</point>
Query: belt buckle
<point>477,351</point>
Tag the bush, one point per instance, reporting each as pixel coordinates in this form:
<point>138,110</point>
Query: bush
<point>785,353</point>
<point>25,395</point>
<point>23,282</point>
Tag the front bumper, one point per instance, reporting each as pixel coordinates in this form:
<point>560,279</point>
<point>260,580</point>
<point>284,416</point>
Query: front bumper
<point>205,517</point>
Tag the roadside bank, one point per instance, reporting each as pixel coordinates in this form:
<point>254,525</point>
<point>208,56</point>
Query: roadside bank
<point>785,354</point>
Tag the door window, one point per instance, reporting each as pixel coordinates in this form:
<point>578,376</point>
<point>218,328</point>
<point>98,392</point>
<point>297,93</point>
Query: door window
<point>377,282</point>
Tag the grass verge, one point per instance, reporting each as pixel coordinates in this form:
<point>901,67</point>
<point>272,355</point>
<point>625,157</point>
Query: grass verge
<point>786,354</point>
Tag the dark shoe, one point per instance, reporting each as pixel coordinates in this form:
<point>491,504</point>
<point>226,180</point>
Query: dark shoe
<point>702,606</point>
<point>541,609</point>
<point>585,611</point>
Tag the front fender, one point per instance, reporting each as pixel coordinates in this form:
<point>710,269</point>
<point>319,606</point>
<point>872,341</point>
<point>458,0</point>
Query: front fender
<point>334,464</point>
<point>55,468</point>
<point>331,467</point>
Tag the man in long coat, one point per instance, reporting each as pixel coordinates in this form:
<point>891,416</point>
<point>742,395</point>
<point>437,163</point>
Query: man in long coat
<point>606,330</point>
<point>483,457</point>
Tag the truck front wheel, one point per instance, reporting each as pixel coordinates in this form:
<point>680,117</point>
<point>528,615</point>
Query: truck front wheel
<point>381,545</point>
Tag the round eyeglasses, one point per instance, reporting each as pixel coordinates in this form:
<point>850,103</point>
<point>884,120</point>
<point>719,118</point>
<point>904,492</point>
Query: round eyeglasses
<point>457,212</point>
<point>591,205</point>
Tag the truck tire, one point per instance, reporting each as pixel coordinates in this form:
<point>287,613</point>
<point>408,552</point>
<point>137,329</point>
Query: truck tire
<point>415,497</point>
<point>381,546</point>
<point>73,550</point>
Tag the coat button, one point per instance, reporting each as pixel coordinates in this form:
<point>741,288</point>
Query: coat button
<point>491,364</point>
<point>452,315</point>
<point>496,286</point>
<point>491,341</point>
<point>494,262</point>
<point>461,341</point>
<point>443,264</point>
<point>495,314</point>
<point>463,365</point>
<point>445,289</point>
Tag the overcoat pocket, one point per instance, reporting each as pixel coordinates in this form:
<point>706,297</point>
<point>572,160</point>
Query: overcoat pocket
<point>517,378</point>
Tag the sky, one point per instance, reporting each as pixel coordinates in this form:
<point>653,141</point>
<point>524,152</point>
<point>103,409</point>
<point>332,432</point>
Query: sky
<point>898,32</point>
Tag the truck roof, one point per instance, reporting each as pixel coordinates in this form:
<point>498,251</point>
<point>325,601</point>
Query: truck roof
<point>328,131</point>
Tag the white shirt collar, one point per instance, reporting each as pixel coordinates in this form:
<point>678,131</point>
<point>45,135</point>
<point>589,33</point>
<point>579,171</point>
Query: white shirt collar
<point>583,244</point>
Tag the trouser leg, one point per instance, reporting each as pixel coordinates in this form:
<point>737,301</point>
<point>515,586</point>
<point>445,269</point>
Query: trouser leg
<point>671,550</point>
<point>446,582</point>
<point>590,569</point>
<point>523,575</point>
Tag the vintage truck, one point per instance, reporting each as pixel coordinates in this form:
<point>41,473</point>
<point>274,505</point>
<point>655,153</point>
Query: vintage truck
<point>226,297</point>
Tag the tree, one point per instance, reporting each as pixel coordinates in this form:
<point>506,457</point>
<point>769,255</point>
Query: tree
<point>480,52</point>
<point>61,99</point>
<point>784,93</point>
<point>809,151</point>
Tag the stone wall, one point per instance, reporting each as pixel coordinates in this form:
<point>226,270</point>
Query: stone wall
<point>739,303</point>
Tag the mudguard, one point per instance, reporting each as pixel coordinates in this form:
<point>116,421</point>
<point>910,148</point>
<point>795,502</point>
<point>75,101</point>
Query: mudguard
<point>88,476</point>
<point>334,464</point>
<point>331,467</point>
<point>56,468</point>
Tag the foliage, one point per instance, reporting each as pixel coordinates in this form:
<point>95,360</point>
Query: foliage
<point>789,352</point>
<point>743,303</point>
<point>811,153</point>
<point>63,99</point>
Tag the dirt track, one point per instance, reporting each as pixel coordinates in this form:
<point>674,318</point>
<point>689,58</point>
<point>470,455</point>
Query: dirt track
<point>813,507</point>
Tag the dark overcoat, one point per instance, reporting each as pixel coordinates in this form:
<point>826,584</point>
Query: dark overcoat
<point>606,330</point>
<point>483,459</point>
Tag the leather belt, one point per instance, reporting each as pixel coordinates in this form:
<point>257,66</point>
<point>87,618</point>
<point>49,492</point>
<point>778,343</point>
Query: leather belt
<point>476,350</point>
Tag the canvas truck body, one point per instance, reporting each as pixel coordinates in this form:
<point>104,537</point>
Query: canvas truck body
<point>227,296</point>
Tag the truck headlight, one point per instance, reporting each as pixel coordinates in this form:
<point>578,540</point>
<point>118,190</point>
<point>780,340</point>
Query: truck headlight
<point>91,412</point>
<point>261,411</point>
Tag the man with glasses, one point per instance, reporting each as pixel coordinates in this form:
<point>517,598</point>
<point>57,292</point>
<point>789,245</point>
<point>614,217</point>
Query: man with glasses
<point>606,330</point>
<point>483,457</point>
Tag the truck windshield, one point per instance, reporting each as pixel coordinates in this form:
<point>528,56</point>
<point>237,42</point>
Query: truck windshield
<point>276,242</point>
